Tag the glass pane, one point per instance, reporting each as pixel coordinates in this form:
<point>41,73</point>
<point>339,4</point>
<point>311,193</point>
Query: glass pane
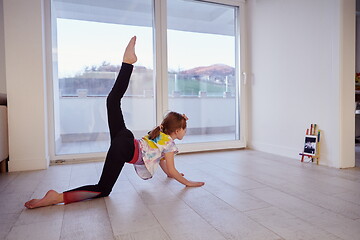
<point>89,38</point>
<point>201,74</point>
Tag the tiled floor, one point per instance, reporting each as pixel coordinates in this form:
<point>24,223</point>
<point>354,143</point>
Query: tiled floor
<point>247,195</point>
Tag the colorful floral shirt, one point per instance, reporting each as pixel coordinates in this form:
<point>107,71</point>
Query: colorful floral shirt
<point>151,152</point>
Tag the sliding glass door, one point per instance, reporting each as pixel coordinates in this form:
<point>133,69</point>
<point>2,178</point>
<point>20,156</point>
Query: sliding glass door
<point>89,41</point>
<point>201,47</point>
<point>188,61</point>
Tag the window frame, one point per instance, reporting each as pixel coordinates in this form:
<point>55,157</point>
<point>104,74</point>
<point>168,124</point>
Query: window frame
<point>162,89</point>
<point>161,85</point>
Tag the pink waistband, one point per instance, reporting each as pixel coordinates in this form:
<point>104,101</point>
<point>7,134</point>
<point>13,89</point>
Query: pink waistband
<point>136,152</point>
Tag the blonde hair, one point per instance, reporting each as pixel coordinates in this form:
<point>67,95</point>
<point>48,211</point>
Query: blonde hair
<point>170,124</point>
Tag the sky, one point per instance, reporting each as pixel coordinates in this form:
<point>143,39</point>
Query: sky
<point>84,43</point>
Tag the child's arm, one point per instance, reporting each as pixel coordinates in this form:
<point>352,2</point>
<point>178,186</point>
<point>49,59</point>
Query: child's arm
<point>170,168</point>
<point>164,168</point>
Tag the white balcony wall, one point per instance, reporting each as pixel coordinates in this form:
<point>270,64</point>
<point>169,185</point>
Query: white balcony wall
<point>88,114</point>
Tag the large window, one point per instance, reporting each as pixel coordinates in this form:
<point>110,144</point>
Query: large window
<point>89,40</point>
<point>188,61</point>
<point>201,65</point>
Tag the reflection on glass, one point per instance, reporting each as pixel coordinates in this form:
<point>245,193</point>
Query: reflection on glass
<point>88,42</point>
<point>201,76</point>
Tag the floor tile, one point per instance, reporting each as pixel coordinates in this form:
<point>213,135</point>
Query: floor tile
<point>37,230</point>
<point>7,221</point>
<point>13,202</point>
<point>128,213</point>
<point>44,214</point>
<point>156,233</point>
<point>86,220</point>
<point>287,225</point>
<point>182,222</point>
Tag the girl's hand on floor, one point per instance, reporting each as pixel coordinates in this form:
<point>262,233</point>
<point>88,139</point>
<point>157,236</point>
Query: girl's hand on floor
<point>195,184</point>
<point>172,177</point>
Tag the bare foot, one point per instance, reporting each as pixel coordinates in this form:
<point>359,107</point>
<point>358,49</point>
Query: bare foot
<point>51,197</point>
<point>129,54</point>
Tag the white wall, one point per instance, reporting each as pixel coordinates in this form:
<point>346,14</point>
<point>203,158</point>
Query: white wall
<point>302,65</point>
<point>26,85</point>
<point>347,44</point>
<point>357,66</point>
<point>357,43</point>
<point>2,51</point>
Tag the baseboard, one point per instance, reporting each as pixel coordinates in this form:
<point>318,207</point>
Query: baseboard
<point>287,152</point>
<point>16,165</point>
<point>275,149</point>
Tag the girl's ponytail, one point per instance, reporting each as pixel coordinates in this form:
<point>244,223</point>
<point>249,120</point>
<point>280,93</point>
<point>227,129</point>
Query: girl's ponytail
<point>154,133</point>
<point>170,124</point>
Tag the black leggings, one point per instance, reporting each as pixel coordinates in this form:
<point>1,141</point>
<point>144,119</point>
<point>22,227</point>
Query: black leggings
<point>121,148</point>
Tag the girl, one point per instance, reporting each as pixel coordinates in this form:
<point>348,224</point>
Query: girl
<point>157,148</point>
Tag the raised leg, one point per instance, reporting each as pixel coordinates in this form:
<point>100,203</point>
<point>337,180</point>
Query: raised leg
<point>117,155</point>
<point>129,54</point>
<point>113,102</point>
